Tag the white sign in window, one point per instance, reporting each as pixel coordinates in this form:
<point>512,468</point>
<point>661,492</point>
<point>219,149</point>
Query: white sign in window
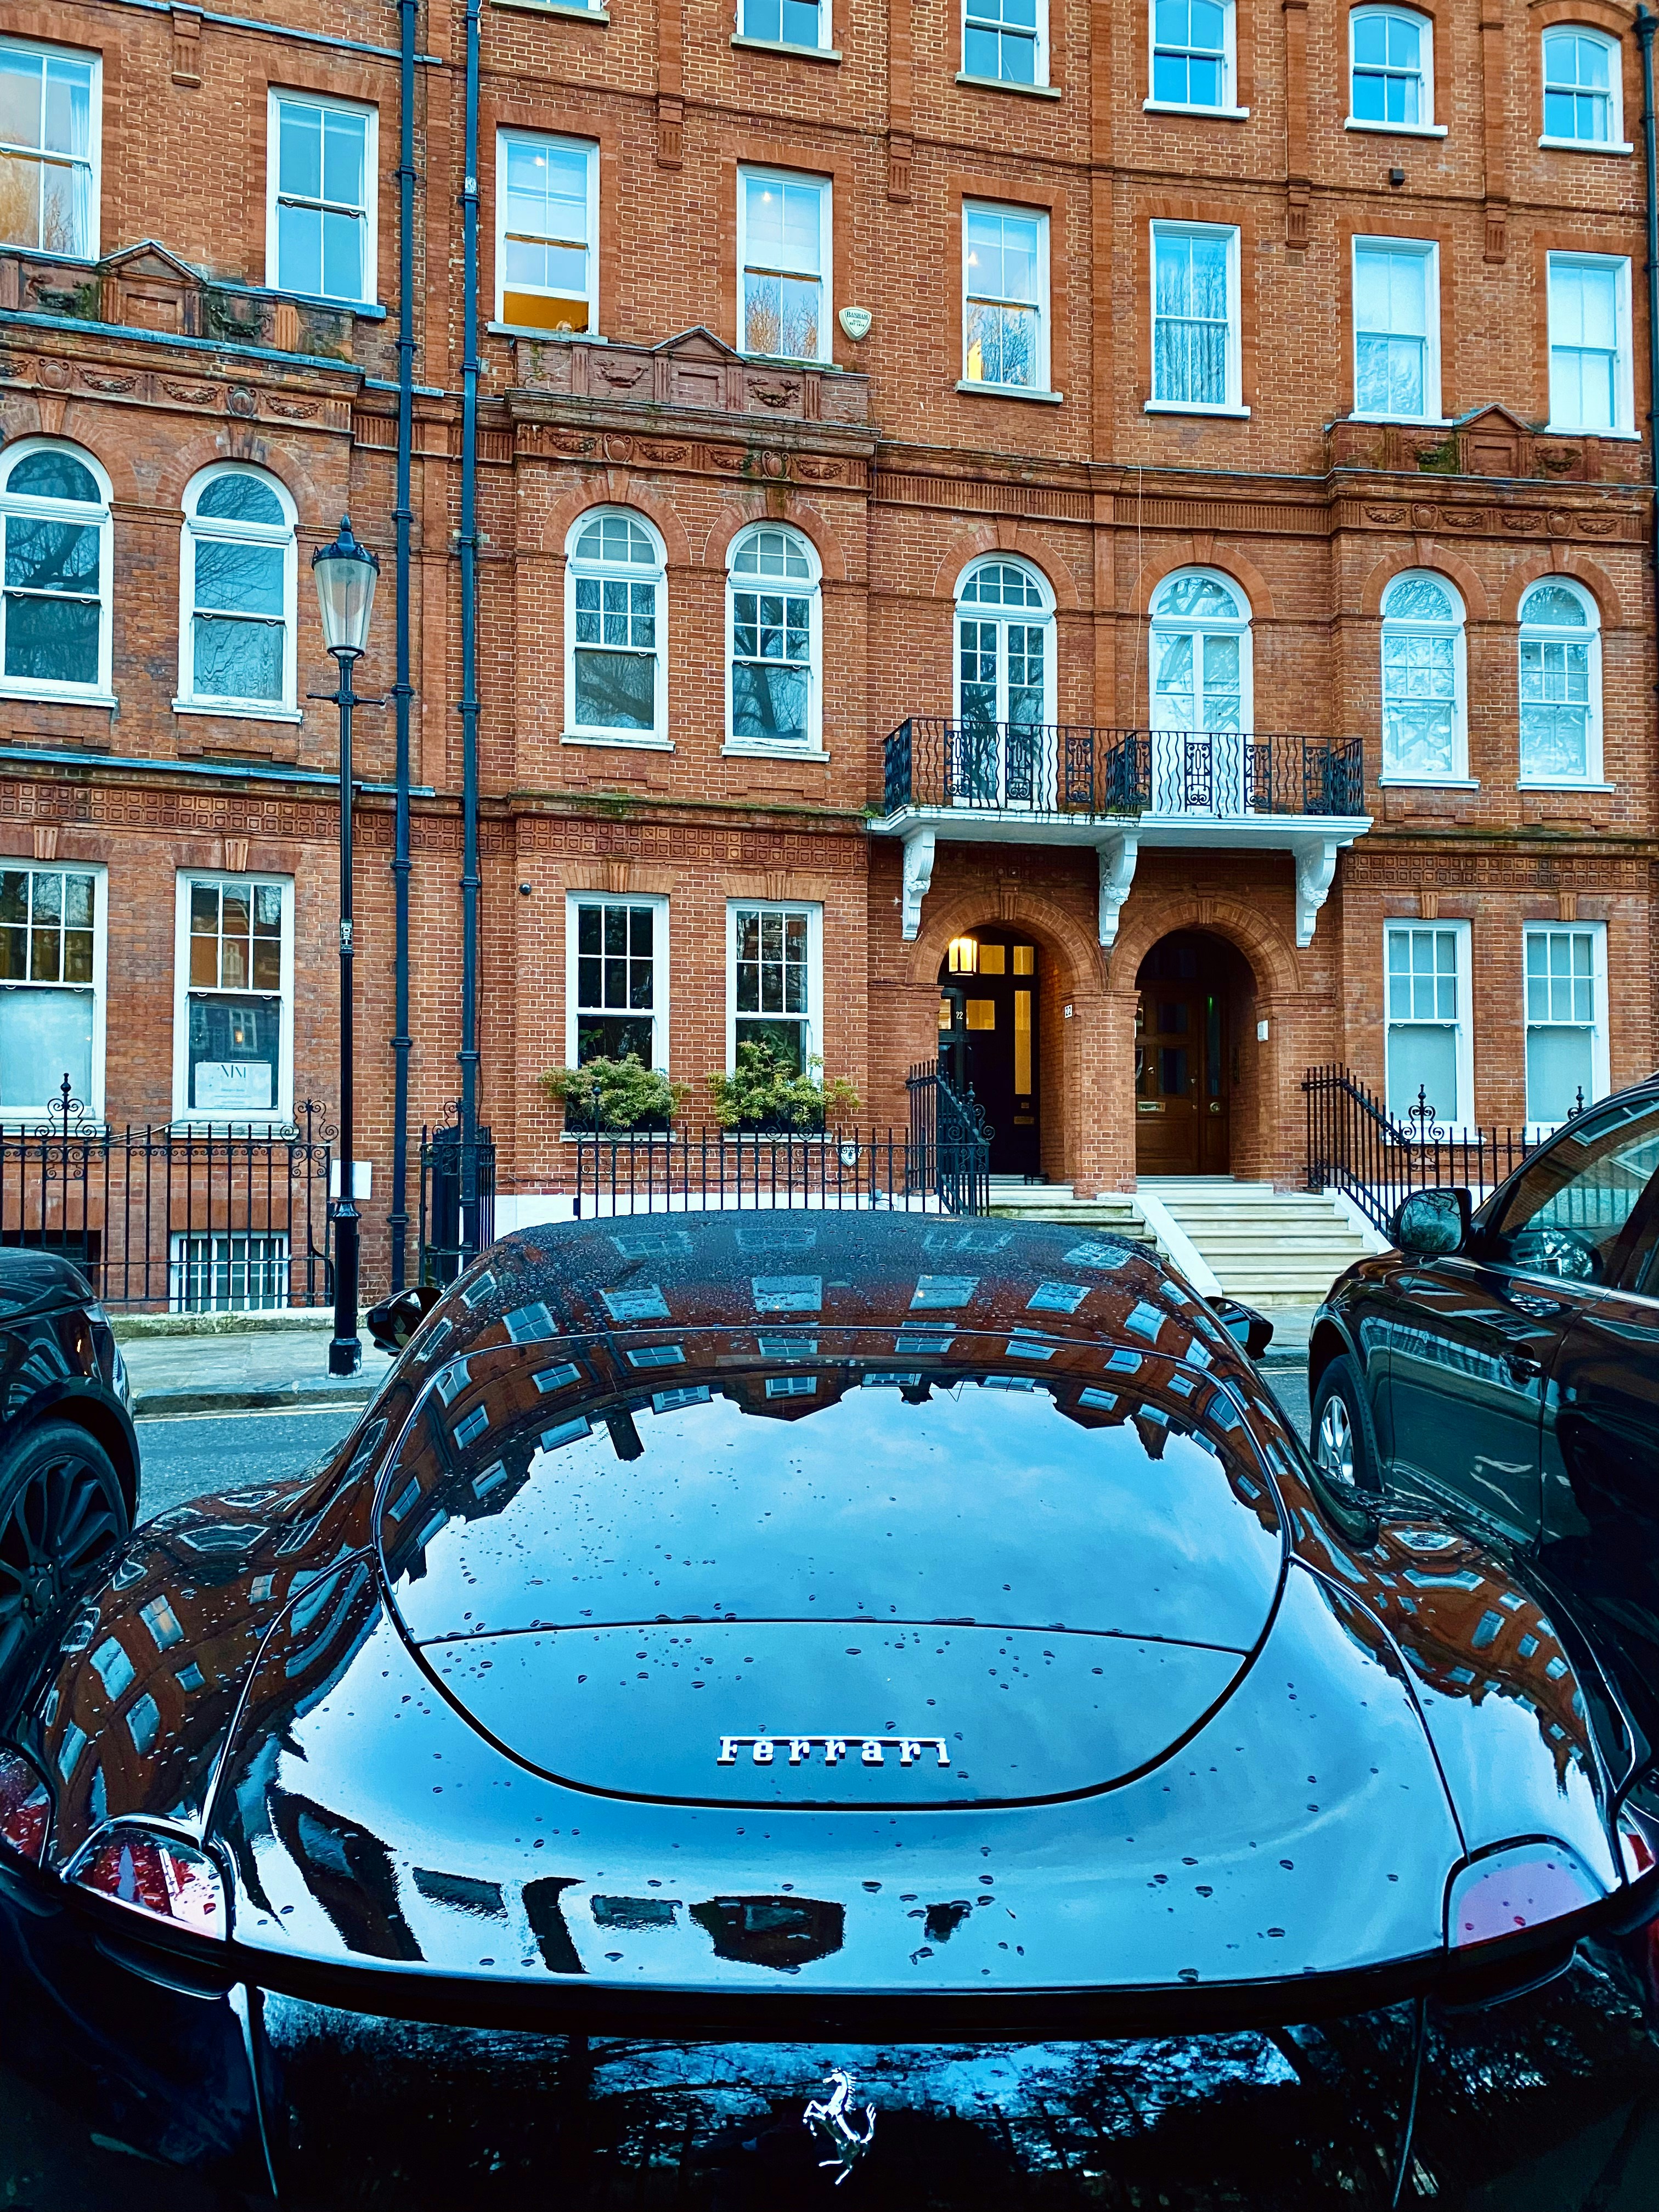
<point>1566,1039</point>
<point>617,976</point>
<point>773,980</point>
<point>1195,322</point>
<point>51,988</point>
<point>234,1020</point>
<point>1396,329</point>
<point>1426,988</point>
<point>784,264</point>
<point>1004,291</point>
<point>547,211</point>
<point>321,227</point>
<point>49,128</point>
<point>1590,387</point>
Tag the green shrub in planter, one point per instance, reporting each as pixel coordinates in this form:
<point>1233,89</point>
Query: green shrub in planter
<point>762,1094</point>
<point>613,1094</point>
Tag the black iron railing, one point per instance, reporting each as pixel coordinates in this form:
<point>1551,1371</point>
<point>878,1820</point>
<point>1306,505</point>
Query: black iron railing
<point>1072,768</point>
<point>1356,1146</point>
<point>939,1163</point>
<point>443,1252</point>
<point>182,1217</point>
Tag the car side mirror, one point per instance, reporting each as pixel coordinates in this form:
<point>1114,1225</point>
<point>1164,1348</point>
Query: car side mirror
<point>1432,1221</point>
<point>395,1320</point>
<point>1244,1325</point>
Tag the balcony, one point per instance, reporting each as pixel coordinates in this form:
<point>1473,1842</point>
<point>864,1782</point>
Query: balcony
<point>1120,792</point>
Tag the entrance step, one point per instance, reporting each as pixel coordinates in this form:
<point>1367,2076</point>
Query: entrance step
<point>1015,1199</point>
<point>1268,1246</point>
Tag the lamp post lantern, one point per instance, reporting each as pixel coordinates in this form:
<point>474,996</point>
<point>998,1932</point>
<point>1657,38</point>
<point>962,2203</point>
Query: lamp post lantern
<point>346,573</point>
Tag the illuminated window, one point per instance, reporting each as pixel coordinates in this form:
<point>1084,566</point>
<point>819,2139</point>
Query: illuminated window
<point>49,123</point>
<point>1004,313</point>
<point>547,195</point>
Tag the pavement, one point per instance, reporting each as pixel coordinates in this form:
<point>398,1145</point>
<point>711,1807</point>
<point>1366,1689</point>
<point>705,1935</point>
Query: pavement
<point>244,1370</point>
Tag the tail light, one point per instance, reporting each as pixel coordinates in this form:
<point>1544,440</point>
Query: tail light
<point>25,1806</point>
<point>153,1873</point>
<point>1636,1844</point>
<point>1523,1886</point>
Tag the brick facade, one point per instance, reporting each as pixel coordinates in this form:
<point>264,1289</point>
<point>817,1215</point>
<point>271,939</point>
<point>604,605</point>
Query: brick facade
<point>172,351</point>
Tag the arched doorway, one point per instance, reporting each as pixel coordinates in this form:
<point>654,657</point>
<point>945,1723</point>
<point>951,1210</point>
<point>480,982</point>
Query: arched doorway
<point>1194,992</point>
<point>990,985</point>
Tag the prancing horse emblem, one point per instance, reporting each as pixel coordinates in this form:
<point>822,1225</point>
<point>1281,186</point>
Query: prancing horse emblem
<point>827,2118</point>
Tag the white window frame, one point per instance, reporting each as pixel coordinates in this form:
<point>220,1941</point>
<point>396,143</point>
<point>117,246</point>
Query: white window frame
<point>574,903</point>
<point>1424,25</point>
<point>1601,1082</point>
<point>763,748</point>
<point>192,531</point>
<point>812,1020</point>
<point>1039,77</point>
<point>1041,388</point>
<point>29,506</point>
<point>575,567</point>
<point>1615,142</point>
<point>1624,421</point>
<point>1463,1028</point>
<point>1233,402</point>
<point>1041,617</point>
<point>48,49</point>
<point>823,44</point>
<point>94,1103</point>
<point>1529,632</point>
<point>1197,627</point>
<point>184,1272</point>
<point>371,281</point>
<point>760,173</point>
<point>1428,250</point>
<point>1458,631</point>
<point>283,1111</point>
<point>588,148</point>
<point>1228,105</point>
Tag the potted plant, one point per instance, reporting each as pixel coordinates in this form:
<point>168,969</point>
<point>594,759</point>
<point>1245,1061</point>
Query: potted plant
<point>766,1095</point>
<point>613,1094</point>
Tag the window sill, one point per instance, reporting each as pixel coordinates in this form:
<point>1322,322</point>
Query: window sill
<point>1193,407</point>
<point>1408,421</point>
<point>1398,129</point>
<point>1007,84</point>
<point>188,1117</point>
<point>1572,430</point>
<point>755,749</point>
<point>1587,146</point>
<point>370,310</point>
<point>1527,783</point>
<point>41,696</point>
<point>232,710</point>
<point>625,742</point>
<point>788,360</point>
<point>788,46</point>
<point>557,8</point>
<point>1428,783</point>
<point>1185,107</point>
<point>530,330</point>
<point>1010,392</point>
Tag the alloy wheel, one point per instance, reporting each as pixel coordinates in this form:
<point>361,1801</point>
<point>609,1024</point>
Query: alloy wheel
<point>1334,1446</point>
<point>61,1518</point>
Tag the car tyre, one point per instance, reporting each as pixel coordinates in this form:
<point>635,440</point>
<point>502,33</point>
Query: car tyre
<point>1340,1444</point>
<point>62,1506</point>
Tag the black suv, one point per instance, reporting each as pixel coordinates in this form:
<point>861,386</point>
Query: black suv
<point>1504,1362</point>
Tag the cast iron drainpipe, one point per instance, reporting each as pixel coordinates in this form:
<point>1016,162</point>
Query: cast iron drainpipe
<point>468,547</point>
<point>402,691</point>
<point>1646,24</point>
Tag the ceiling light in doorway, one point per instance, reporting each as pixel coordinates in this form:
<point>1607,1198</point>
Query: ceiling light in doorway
<point>964,957</point>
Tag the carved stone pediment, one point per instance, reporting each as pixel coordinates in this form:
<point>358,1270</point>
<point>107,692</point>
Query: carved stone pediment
<point>696,369</point>
<point>1488,441</point>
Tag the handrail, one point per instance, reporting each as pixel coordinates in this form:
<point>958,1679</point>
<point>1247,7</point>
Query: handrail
<point>1376,1159</point>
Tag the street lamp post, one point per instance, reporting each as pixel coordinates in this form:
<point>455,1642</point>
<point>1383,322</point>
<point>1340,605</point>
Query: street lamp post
<point>346,573</point>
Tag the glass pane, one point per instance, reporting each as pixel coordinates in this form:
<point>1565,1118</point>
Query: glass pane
<point>44,1036</point>
<point>49,557</point>
<point>267,911</point>
<point>588,924</point>
<point>787,1040</point>
<point>46,949</point>
<point>204,962</point>
<point>267,965</point>
<point>615,690</point>
<point>613,1036</point>
<point>205,907</point>
<point>239,578</point>
<point>299,248</point>
<point>1566,1213</point>
<point>768,701</point>
<point>782,225</point>
<point>52,641</point>
<point>241,498</point>
<point>299,150</point>
<point>238,660</point>
<point>236,909</point>
<point>234,1047</point>
<point>1423,1057</point>
<point>77,901</point>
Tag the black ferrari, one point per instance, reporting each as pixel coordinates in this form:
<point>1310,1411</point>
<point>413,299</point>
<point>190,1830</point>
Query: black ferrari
<point>880,1711</point>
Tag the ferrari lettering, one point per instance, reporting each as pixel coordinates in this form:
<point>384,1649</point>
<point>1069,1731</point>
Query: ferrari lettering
<point>872,1750</point>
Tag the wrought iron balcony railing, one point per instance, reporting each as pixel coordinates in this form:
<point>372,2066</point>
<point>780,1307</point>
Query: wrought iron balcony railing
<point>1070,769</point>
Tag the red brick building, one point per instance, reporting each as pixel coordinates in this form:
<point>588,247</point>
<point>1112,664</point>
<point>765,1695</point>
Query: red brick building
<point>1211,435</point>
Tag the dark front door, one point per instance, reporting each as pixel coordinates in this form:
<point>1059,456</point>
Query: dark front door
<point>988,1041</point>
<point>1181,1060</point>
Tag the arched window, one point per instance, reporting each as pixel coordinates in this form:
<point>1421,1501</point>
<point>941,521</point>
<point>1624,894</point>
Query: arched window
<point>1004,645</point>
<point>614,679</point>
<point>1424,734</point>
<point>55,504</point>
<point>774,624</point>
<point>236,589</point>
<point>1200,651</point>
<point>1560,685</point>
<point>1583,103</point>
<point>1390,70</point>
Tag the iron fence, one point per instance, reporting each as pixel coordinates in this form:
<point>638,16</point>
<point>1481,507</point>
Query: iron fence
<point>444,1251</point>
<point>939,1163</point>
<point>1073,769</point>
<point>176,1217</point>
<point>1356,1146</point>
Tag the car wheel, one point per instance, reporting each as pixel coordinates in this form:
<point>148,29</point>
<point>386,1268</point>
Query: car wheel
<point>1339,1448</point>
<point>61,1506</point>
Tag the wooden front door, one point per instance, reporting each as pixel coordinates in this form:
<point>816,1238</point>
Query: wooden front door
<point>1181,1062</point>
